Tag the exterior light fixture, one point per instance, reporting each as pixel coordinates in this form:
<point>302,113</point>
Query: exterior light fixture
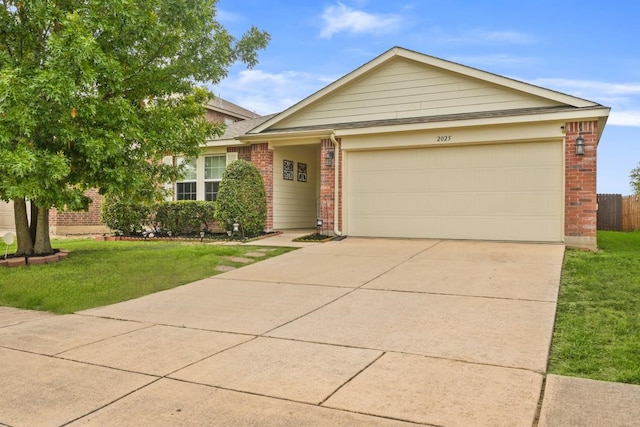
<point>318,222</point>
<point>328,160</point>
<point>236,227</point>
<point>580,146</point>
<point>201,236</point>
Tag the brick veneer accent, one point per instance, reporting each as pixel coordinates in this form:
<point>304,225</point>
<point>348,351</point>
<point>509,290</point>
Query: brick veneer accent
<point>581,202</point>
<point>91,217</point>
<point>262,158</point>
<point>244,153</point>
<point>327,186</point>
<point>82,222</point>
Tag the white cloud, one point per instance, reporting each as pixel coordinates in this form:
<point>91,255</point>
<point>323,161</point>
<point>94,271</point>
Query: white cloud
<point>267,93</point>
<point>480,36</point>
<point>340,18</point>
<point>623,98</point>
<point>624,118</point>
<point>228,17</point>
<point>593,86</point>
<point>495,60</point>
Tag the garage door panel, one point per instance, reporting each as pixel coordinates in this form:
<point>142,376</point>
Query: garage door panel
<point>495,192</point>
<point>6,215</point>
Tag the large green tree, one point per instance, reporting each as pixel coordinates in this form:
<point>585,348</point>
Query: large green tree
<point>93,93</point>
<point>634,179</point>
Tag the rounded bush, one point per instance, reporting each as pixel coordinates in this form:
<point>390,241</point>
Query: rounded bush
<point>124,216</point>
<point>242,198</point>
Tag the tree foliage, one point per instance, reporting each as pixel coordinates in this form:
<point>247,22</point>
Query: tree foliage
<point>634,179</point>
<point>93,93</point>
<point>242,198</point>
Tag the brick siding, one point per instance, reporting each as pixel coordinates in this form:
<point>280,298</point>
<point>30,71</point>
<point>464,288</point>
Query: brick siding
<point>581,203</point>
<point>327,186</point>
<point>262,158</point>
<point>92,217</point>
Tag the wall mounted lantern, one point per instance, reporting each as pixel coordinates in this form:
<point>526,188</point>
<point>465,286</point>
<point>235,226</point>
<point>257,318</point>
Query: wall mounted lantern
<point>580,146</point>
<point>328,160</point>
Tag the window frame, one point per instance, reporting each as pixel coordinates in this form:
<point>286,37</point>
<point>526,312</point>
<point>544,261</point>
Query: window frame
<point>180,191</point>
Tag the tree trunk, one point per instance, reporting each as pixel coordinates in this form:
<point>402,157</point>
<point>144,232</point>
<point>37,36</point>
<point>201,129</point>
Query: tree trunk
<point>25,243</point>
<point>34,220</point>
<point>42,245</point>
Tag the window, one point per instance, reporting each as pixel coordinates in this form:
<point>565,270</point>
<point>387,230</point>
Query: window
<point>213,169</point>
<point>187,188</point>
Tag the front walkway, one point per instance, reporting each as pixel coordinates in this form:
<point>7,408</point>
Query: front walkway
<point>356,332</point>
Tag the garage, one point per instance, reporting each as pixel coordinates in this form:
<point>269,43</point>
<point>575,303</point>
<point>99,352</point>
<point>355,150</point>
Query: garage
<point>6,216</point>
<point>509,191</point>
<point>415,146</point>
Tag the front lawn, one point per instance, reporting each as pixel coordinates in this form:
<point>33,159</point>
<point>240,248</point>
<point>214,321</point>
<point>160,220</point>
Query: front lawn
<point>597,331</point>
<point>101,273</point>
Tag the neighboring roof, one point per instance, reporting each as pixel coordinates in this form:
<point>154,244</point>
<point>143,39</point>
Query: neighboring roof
<point>395,53</point>
<point>242,127</point>
<point>229,108</point>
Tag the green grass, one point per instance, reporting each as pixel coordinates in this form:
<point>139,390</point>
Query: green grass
<point>101,273</point>
<point>597,331</point>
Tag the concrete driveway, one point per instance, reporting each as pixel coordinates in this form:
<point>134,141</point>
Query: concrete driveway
<point>356,332</point>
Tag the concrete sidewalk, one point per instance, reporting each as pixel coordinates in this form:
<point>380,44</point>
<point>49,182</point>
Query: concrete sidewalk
<point>356,332</point>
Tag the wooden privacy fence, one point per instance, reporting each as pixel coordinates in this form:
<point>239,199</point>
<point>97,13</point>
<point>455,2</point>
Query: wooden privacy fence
<point>631,213</point>
<point>618,213</point>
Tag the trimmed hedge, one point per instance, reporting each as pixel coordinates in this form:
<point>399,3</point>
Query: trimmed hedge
<point>184,217</point>
<point>181,218</point>
<point>242,198</point>
<point>124,216</point>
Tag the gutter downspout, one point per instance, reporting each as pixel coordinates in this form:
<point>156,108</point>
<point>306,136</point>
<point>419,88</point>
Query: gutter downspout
<point>336,192</point>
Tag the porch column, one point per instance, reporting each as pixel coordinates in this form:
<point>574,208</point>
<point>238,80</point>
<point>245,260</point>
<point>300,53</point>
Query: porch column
<point>581,201</point>
<point>327,186</point>
<point>262,158</point>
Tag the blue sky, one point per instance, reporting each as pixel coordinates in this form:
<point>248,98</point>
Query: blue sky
<point>589,49</point>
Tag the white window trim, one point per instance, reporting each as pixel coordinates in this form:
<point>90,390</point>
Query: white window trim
<point>200,173</point>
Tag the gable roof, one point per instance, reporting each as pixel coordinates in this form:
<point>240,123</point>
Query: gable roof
<point>331,106</point>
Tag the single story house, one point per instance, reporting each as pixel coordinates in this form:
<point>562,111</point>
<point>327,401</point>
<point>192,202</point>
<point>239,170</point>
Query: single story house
<point>413,146</point>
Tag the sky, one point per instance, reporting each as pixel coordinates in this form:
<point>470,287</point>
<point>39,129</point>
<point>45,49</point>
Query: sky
<point>589,49</point>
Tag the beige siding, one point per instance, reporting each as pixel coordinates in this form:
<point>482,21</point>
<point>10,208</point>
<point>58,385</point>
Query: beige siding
<point>6,216</point>
<point>404,88</point>
<point>492,192</point>
<point>294,202</point>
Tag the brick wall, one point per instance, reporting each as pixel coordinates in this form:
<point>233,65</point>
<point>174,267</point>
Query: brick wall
<point>244,152</point>
<point>82,222</point>
<point>581,203</point>
<point>327,186</point>
<point>262,158</point>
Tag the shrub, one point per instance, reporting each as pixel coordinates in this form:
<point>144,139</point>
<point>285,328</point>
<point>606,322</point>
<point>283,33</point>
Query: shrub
<point>183,217</point>
<point>242,198</point>
<point>124,216</point>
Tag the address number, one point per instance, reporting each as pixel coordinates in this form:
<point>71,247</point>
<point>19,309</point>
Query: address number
<point>444,138</point>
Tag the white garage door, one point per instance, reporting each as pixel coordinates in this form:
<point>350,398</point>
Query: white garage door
<point>487,192</point>
<point>6,216</point>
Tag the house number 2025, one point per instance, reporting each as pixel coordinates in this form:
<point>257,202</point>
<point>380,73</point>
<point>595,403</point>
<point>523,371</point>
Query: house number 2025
<point>444,138</point>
